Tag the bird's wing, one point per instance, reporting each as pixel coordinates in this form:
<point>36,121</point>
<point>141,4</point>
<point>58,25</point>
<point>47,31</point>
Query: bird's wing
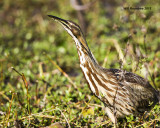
<point>139,88</point>
<point>133,80</point>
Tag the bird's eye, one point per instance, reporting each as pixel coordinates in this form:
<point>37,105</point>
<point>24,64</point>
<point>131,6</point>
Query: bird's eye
<point>75,31</point>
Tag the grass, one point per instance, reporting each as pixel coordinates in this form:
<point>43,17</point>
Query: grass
<point>49,86</point>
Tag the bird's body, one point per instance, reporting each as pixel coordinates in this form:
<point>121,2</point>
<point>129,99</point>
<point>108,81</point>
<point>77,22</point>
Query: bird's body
<point>123,93</point>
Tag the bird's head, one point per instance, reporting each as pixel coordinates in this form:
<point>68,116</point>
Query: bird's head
<point>74,30</point>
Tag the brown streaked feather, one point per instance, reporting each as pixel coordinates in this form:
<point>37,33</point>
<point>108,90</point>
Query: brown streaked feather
<point>140,88</point>
<point>90,78</point>
<point>132,78</point>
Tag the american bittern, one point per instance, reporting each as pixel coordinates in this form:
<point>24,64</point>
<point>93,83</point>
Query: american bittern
<point>123,93</point>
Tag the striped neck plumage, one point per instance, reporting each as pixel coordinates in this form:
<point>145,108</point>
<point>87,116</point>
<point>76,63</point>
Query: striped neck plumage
<point>84,53</point>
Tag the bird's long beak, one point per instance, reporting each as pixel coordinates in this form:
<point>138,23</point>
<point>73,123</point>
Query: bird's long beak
<point>74,30</point>
<point>61,21</point>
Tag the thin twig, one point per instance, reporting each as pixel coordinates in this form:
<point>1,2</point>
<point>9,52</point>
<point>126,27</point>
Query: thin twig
<point>106,58</point>
<point>126,49</point>
<point>26,86</point>
<point>144,43</point>
<point>152,79</point>
<point>5,97</point>
<point>115,111</point>
<point>16,71</point>
<point>65,118</point>
<point>36,114</point>
<point>64,73</point>
<point>118,48</point>
<point>144,124</point>
<point>9,109</point>
<point>1,72</point>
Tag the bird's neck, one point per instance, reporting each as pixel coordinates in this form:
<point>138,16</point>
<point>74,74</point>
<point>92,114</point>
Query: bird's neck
<point>88,64</point>
<point>84,53</point>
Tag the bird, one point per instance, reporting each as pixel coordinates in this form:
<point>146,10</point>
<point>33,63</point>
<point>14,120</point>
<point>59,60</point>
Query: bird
<point>123,93</point>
